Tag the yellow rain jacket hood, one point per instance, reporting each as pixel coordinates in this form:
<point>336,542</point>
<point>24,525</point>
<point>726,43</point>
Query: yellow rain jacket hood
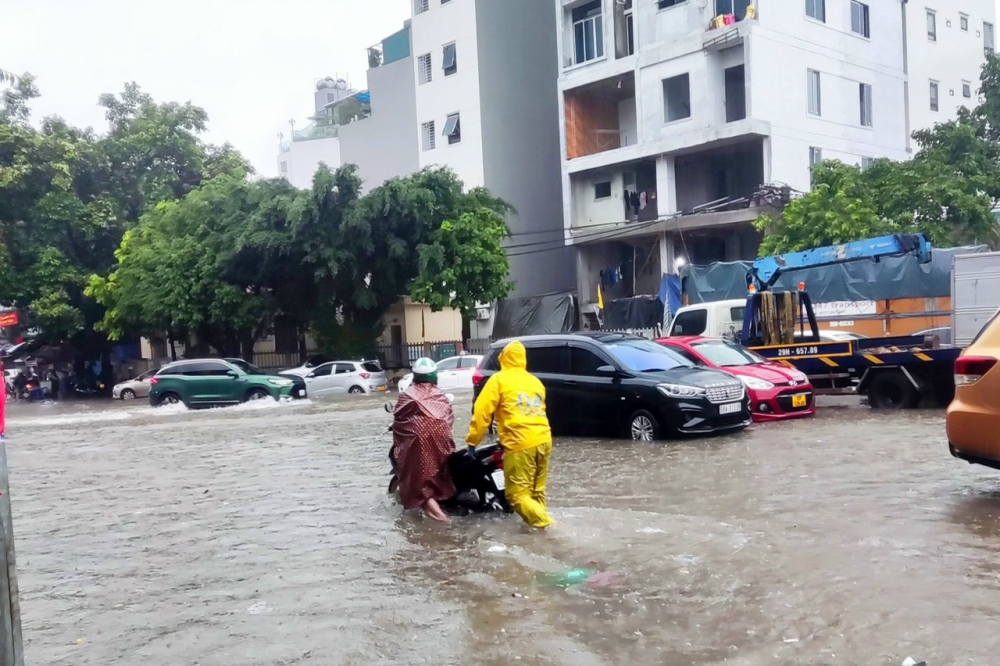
<point>516,399</point>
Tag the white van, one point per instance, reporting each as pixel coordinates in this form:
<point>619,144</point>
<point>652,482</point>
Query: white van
<point>720,319</point>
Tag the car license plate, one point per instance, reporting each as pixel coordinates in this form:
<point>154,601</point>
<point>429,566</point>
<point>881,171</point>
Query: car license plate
<point>498,479</point>
<point>798,401</point>
<point>382,388</point>
<point>731,408</point>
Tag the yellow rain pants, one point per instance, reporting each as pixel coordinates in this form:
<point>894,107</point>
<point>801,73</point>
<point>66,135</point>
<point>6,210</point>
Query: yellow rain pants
<point>526,472</point>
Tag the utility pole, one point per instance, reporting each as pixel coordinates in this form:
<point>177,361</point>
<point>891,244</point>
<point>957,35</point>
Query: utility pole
<point>11,647</point>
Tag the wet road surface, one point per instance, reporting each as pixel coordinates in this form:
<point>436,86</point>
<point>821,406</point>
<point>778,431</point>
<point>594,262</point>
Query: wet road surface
<point>263,535</point>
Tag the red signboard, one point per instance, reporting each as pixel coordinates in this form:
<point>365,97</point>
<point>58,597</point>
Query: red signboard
<point>8,319</point>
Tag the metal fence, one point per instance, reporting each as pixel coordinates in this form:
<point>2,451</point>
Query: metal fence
<point>277,361</point>
<point>400,357</point>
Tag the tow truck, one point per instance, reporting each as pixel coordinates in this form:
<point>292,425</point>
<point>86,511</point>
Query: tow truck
<point>893,372</point>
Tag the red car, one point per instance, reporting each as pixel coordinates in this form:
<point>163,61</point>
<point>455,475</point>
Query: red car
<point>776,392</point>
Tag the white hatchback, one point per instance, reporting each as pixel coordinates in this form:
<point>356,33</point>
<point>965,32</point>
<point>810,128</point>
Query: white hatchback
<point>337,377</point>
<point>453,373</point>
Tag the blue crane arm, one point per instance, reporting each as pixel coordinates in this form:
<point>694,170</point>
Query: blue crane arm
<point>766,271</point>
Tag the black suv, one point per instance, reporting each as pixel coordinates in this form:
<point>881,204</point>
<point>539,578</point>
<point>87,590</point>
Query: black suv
<point>617,384</point>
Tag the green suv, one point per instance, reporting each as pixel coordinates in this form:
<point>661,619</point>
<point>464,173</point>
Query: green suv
<point>212,382</point>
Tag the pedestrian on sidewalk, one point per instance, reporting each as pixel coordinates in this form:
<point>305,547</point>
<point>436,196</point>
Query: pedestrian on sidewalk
<point>515,399</point>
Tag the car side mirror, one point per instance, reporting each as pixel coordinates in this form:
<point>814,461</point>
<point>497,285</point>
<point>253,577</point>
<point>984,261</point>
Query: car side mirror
<point>311,375</point>
<point>607,371</point>
<point>232,373</point>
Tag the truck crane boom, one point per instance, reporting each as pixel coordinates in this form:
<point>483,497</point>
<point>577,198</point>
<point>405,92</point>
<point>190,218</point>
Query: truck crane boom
<point>765,271</point>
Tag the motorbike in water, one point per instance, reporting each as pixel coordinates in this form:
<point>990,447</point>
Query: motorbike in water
<point>478,477</point>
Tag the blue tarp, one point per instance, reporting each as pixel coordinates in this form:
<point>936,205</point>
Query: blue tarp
<point>888,279</point>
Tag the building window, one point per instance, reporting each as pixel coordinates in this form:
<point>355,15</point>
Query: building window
<point>815,156</point>
<point>427,136</point>
<point>450,61</point>
<point>284,167</point>
<point>859,19</point>
<point>588,32</point>
<point>866,162</point>
<point>421,6</point>
<point>424,71</point>
<point>663,4</point>
<point>866,104</point>
<point>963,22</point>
<point>602,190</point>
<point>815,98</point>
<point>677,98</point>
<point>453,129</point>
<point>816,9</point>
<point>445,2</point>
<point>931,26</point>
<point>934,96</point>
<point>738,8</point>
<point>989,37</point>
<point>966,89</point>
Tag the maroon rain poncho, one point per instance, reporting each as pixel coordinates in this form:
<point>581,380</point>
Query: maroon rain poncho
<point>422,442</point>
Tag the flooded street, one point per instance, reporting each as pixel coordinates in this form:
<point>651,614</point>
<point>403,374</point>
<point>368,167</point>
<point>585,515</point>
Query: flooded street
<point>264,536</point>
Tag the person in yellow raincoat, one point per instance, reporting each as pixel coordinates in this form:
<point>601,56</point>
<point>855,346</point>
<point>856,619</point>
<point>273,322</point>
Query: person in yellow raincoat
<point>515,399</point>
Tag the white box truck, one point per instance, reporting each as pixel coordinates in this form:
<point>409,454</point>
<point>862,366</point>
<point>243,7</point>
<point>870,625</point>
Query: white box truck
<point>975,294</point>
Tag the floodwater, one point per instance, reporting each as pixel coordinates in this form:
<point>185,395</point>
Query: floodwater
<point>262,535</point>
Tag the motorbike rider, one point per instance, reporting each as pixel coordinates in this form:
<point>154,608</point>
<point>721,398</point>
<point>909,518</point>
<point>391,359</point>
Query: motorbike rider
<point>422,442</point>
<point>516,400</point>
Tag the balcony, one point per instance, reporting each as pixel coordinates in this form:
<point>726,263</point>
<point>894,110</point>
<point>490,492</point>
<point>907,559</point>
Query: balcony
<point>391,49</point>
<point>601,116</point>
<point>608,198</point>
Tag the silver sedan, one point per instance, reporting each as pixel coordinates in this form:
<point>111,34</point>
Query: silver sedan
<point>133,388</point>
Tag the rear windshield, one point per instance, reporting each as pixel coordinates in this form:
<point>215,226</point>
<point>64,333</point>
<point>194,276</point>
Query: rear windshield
<point>647,356</point>
<point>983,329</point>
<point>371,366</point>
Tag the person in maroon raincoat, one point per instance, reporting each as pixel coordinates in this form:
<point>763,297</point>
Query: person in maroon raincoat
<point>422,442</point>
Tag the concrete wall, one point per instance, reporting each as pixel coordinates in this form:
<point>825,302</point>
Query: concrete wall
<point>459,93</point>
<point>518,70</point>
<point>383,145</point>
<point>420,324</point>
<point>590,211</point>
<point>955,57</point>
<point>304,158</point>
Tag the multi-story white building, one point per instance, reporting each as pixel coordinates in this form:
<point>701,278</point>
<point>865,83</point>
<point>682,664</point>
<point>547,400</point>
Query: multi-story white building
<point>487,106</point>
<point>672,119</point>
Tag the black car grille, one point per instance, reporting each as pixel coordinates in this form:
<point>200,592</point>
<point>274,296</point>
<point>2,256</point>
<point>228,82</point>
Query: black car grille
<point>785,402</point>
<point>729,420</point>
<point>729,393</point>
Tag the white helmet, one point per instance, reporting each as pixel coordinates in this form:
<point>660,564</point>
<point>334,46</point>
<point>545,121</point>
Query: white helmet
<point>424,366</point>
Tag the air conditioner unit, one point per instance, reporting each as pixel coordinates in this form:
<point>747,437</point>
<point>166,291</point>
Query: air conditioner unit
<point>482,314</point>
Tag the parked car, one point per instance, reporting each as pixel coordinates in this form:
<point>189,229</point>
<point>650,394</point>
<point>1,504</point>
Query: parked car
<point>943,333</point>
<point>133,388</point>
<point>620,384</point>
<point>973,418</point>
<point>337,377</point>
<point>453,373</point>
<point>213,382</point>
<point>311,364</point>
<point>776,392</point>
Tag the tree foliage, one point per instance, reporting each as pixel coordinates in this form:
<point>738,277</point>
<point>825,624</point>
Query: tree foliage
<point>68,196</point>
<point>947,191</point>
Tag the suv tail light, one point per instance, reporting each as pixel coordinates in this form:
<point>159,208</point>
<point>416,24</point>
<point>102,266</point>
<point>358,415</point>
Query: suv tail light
<point>970,369</point>
<point>477,377</point>
<point>154,380</point>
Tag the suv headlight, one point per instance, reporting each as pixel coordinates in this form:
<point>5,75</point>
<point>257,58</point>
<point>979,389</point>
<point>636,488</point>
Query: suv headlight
<point>680,390</point>
<point>756,384</point>
<point>280,382</point>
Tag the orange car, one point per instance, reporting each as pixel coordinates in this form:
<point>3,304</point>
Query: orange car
<point>974,415</point>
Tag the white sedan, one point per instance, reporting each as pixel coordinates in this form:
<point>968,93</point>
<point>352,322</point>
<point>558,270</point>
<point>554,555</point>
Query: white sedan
<point>453,373</point>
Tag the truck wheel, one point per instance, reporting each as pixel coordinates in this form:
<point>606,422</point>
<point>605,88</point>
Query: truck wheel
<point>891,390</point>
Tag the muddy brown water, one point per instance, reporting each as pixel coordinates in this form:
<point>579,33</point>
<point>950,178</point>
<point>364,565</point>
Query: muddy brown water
<point>263,535</point>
